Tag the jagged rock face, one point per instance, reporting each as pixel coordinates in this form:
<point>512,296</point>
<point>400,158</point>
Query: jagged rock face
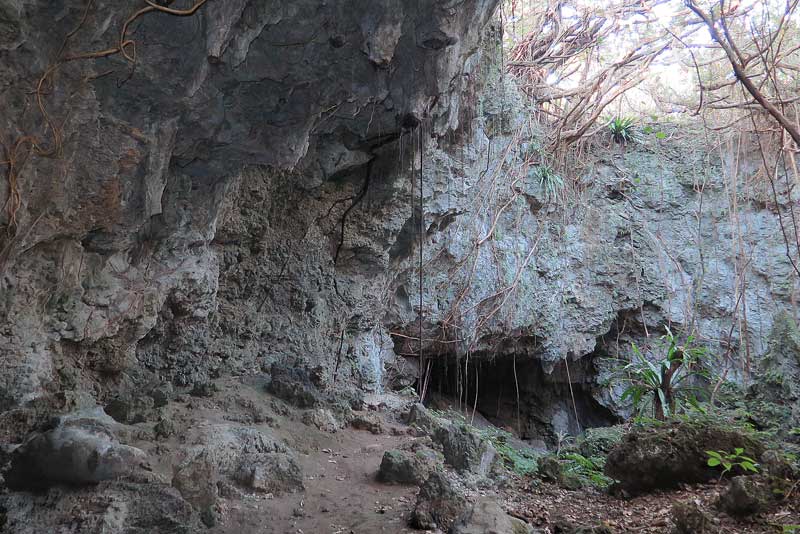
<point>112,234</point>
<point>648,236</point>
<point>145,254</point>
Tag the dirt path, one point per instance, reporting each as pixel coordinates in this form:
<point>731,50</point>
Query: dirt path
<point>341,495</point>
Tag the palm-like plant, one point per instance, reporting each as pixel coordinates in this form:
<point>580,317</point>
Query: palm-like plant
<point>623,129</point>
<point>549,180</point>
<point>664,383</point>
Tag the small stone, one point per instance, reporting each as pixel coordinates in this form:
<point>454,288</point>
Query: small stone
<point>369,423</point>
<point>165,428</point>
<point>689,518</point>
<point>204,389</point>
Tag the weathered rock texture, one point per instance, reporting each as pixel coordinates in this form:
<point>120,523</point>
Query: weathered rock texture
<point>139,252</point>
<point>221,200</point>
<point>248,193</point>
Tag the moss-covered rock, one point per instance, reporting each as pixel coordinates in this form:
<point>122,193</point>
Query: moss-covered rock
<point>673,453</point>
<point>599,441</point>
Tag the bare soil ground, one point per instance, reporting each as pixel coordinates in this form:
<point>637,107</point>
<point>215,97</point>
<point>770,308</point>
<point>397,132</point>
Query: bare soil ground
<point>343,497</point>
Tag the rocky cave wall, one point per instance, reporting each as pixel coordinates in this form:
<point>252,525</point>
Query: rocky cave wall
<point>139,252</point>
<point>247,193</point>
<point>650,235</point>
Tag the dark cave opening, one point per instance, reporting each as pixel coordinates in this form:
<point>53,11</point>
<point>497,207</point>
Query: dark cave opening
<point>517,394</point>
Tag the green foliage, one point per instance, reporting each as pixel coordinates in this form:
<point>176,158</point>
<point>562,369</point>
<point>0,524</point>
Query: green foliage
<point>589,470</point>
<point>520,461</point>
<point>599,441</point>
<point>664,384</point>
<point>729,460</point>
<point>548,179</point>
<point>790,529</point>
<point>623,129</point>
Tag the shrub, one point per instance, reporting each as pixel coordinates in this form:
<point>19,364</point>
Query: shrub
<point>729,460</point>
<point>665,383</point>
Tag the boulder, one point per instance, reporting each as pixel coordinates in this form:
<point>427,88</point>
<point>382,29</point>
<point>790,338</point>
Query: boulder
<point>225,454</point>
<point>550,469</point>
<point>276,473</point>
<point>369,422</point>
<point>486,517</point>
<point>439,503</point>
<point>568,527</point>
<point>464,449</point>
<point>404,467</point>
<point>745,495</point>
<point>246,456</point>
<point>423,420</point>
<point>196,479</point>
<point>670,454</point>
<point>112,507</point>
<point>323,419</point>
<point>165,428</point>
<point>80,449</point>
<point>162,394</point>
<point>777,465</point>
<point>295,386</point>
<point>132,410</point>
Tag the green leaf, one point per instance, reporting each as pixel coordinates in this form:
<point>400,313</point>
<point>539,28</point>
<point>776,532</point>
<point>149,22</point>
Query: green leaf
<point>727,465</point>
<point>749,467</point>
<point>738,450</point>
<point>714,454</point>
<point>713,462</point>
<point>661,135</point>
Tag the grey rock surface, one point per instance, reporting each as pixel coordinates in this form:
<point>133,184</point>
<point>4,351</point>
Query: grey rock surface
<point>111,507</point>
<point>80,450</point>
<point>487,517</point>
<point>745,495</point>
<point>464,449</point>
<point>439,504</point>
<point>152,256</point>
<point>404,467</point>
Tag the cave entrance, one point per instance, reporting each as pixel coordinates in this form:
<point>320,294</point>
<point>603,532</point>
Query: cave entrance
<point>516,394</point>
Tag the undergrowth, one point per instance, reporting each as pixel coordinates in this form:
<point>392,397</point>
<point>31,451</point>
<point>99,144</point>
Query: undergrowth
<point>520,461</point>
<point>588,470</point>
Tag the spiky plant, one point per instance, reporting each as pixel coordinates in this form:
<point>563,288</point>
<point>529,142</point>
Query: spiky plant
<point>623,129</point>
<point>549,180</point>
